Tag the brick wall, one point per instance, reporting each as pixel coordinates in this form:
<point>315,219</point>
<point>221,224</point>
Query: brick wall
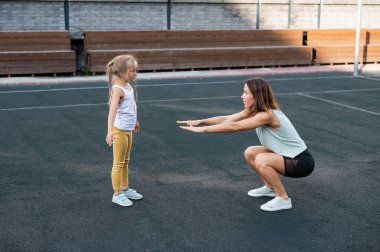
<point>117,16</point>
<point>185,14</point>
<point>31,15</point>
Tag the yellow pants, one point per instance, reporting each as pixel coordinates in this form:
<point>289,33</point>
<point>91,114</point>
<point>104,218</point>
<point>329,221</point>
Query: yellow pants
<point>122,144</point>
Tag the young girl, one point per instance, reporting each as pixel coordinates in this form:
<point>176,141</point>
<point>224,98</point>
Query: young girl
<point>122,119</point>
<point>282,151</point>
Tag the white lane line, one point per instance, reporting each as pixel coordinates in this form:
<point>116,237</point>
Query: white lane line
<point>167,84</point>
<point>106,87</point>
<point>340,104</point>
<point>192,99</point>
<point>52,107</point>
<point>369,78</point>
<point>99,104</point>
<point>49,90</point>
<point>332,91</point>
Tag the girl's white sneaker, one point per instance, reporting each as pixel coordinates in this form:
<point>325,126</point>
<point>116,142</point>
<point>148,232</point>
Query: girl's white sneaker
<point>121,200</point>
<point>132,194</point>
<point>277,204</point>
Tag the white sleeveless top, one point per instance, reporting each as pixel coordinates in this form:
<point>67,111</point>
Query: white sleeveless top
<point>284,140</point>
<point>126,113</point>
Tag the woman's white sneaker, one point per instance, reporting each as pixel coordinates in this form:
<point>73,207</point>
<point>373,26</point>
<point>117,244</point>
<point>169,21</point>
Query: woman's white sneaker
<point>121,200</point>
<point>262,191</point>
<point>132,194</point>
<point>277,204</point>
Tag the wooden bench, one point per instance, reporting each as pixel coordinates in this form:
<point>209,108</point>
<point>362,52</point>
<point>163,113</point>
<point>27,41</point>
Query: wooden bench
<point>36,52</point>
<point>172,50</point>
<point>338,46</point>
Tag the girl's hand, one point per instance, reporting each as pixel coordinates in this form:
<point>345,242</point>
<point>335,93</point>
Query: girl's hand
<point>190,122</point>
<point>193,129</point>
<point>137,127</point>
<point>109,138</point>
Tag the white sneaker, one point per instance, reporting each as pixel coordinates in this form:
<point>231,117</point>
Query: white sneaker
<point>132,194</point>
<point>277,204</point>
<point>121,200</point>
<point>262,191</point>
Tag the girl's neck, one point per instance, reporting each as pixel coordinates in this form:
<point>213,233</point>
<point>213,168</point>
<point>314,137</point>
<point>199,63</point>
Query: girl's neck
<point>121,82</point>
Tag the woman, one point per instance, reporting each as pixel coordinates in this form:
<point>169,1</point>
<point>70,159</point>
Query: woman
<point>282,150</point>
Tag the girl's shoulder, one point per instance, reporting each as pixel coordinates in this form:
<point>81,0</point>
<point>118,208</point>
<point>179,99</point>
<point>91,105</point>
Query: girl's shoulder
<point>125,88</point>
<point>117,90</point>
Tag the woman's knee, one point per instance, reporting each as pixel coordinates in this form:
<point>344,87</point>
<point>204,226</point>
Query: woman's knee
<point>265,163</point>
<point>260,162</point>
<point>250,153</point>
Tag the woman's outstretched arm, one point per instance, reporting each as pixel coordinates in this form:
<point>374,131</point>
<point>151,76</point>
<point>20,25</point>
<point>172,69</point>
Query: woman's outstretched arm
<point>256,121</point>
<point>218,119</point>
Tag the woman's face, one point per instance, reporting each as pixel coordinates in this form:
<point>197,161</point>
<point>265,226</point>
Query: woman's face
<point>247,97</point>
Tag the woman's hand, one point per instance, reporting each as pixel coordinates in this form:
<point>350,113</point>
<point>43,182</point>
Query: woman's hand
<point>193,129</point>
<point>190,122</point>
<point>109,138</point>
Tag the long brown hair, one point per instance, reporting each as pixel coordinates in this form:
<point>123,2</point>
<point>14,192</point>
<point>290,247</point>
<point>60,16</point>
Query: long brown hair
<point>262,95</point>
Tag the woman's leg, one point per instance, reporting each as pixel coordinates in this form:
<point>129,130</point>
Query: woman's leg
<point>250,156</point>
<point>124,171</point>
<point>269,166</point>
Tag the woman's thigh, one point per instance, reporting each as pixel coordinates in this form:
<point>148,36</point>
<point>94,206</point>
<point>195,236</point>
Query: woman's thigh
<point>252,151</point>
<point>273,160</point>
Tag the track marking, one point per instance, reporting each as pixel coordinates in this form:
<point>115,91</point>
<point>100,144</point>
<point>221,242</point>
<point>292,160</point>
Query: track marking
<point>165,85</point>
<point>49,90</point>
<point>369,78</point>
<point>340,104</point>
<point>207,98</point>
<point>52,107</point>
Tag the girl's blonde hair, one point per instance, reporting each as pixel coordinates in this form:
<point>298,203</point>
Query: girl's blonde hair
<point>118,66</point>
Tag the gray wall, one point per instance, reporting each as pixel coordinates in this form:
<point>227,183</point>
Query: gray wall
<point>85,15</point>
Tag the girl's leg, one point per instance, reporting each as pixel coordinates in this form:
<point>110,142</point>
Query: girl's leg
<point>124,171</point>
<point>119,152</point>
<point>250,156</point>
<point>269,166</point>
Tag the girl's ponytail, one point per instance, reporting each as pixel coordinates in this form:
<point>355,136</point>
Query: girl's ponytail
<point>110,73</point>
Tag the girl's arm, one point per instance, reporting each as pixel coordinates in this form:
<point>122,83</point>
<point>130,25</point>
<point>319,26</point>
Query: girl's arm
<point>218,119</point>
<point>137,127</point>
<point>256,121</point>
<point>115,99</point>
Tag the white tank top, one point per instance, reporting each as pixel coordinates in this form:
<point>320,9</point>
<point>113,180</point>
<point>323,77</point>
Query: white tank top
<point>284,140</point>
<point>126,113</point>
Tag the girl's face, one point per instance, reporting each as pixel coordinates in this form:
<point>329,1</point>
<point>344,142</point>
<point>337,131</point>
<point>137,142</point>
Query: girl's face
<point>247,97</point>
<point>130,76</point>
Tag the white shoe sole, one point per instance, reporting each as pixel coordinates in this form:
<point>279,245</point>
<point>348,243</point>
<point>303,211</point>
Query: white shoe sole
<point>262,195</point>
<point>126,205</point>
<point>275,209</point>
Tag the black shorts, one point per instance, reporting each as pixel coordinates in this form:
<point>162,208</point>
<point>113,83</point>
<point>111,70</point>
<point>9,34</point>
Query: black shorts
<point>300,166</point>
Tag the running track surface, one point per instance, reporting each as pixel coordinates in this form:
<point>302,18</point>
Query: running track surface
<point>55,168</point>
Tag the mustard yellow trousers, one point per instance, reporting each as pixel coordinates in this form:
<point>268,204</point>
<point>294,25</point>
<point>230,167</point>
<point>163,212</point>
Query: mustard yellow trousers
<point>122,144</point>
